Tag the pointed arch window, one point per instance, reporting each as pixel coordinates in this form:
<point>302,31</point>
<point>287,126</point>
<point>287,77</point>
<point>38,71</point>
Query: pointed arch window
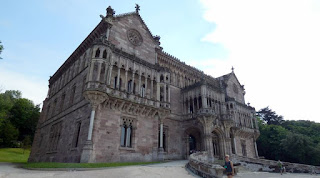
<point>104,54</point>
<point>126,133</point>
<point>97,53</point>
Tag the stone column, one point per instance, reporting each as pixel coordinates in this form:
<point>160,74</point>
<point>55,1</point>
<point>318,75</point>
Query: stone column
<point>193,108</point>
<point>207,127</point>
<point>165,92</point>
<point>126,81</point>
<point>161,150</point>
<point>235,145</point>
<point>99,70</point>
<point>151,89</point>
<point>91,71</point>
<point>91,122</point>
<point>105,72</point>
<point>110,74</point>
<point>132,84</point>
<point>158,88</point>
<point>95,98</point>
<point>161,133</point>
<point>146,86</point>
<point>139,86</point>
<point>118,79</point>
<point>168,93</point>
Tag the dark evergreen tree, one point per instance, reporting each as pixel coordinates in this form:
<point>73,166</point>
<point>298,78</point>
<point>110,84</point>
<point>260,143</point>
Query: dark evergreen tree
<point>269,116</point>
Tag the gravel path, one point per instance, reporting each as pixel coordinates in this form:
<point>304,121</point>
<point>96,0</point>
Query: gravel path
<point>174,169</point>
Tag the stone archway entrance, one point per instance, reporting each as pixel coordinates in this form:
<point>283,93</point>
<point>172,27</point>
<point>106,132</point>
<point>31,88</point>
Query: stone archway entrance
<point>217,142</point>
<point>193,141</point>
<point>192,144</point>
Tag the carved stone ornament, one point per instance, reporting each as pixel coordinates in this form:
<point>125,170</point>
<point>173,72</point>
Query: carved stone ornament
<point>134,37</point>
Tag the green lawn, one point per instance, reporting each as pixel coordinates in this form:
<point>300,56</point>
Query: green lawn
<point>82,165</point>
<point>14,155</point>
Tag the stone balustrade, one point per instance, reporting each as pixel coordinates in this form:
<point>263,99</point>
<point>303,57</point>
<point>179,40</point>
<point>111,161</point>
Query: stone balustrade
<point>198,164</point>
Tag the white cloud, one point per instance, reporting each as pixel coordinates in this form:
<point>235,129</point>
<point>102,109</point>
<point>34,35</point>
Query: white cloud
<point>274,47</point>
<point>31,87</point>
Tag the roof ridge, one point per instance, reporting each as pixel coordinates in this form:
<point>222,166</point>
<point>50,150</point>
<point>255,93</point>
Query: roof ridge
<point>125,14</point>
<point>178,60</point>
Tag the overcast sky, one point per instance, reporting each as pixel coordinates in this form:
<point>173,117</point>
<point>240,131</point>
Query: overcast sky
<point>274,45</point>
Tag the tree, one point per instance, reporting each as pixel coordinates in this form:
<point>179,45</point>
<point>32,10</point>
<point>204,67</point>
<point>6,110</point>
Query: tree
<point>1,48</point>
<point>26,143</point>
<point>299,148</point>
<point>24,116</point>
<point>270,116</point>
<point>269,141</point>
<point>8,134</point>
<point>7,100</point>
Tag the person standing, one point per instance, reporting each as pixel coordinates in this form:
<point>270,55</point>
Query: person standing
<point>280,165</point>
<point>228,165</point>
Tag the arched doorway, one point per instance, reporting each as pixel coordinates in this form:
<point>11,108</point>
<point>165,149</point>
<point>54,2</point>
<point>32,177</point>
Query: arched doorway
<point>192,144</point>
<point>217,142</point>
<point>193,140</point>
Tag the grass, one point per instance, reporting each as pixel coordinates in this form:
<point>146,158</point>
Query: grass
<point>82,165</point>
<point>14,155</point>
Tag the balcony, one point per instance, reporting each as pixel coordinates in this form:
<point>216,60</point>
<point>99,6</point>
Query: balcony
<point>124,95</point>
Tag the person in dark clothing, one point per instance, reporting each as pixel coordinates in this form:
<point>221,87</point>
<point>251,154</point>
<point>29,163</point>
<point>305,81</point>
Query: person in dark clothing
<point>228,165</point>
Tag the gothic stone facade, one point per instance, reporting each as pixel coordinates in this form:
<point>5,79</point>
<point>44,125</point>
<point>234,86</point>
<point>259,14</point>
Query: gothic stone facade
<point>120,97</point>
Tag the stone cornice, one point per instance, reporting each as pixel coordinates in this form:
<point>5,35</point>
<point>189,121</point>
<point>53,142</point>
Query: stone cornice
<point>199,84</point>
<point>96,32</point>
<point>178,64</point>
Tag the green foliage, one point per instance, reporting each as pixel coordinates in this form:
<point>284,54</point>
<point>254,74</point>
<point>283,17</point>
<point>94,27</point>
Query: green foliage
<point>7,100</point>
<point>292,141</point>
<point>26,143</point>
<point>14,155</point>
<point>270,140</point>
<point>299,148</point>
<point>83,165</point>
<point>8,134</point>
<point>18,118</point>
<point>270,116</point>
<point>24,115</point>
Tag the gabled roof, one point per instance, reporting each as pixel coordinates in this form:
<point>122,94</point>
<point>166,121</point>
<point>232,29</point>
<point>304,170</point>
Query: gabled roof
<point>228,76</point>
<point>87,42</point>
<point>136,13</point>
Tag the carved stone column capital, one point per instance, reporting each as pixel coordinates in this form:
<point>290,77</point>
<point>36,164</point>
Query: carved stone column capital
<point>95,97</point>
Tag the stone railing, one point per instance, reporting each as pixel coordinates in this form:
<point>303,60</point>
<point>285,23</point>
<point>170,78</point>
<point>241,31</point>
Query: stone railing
<point>266,165</point>
<point>198,164</point>
<point>136,98</point>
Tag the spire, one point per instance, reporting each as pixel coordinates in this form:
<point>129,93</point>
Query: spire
<point>232,69</point>
<point>137,8</point>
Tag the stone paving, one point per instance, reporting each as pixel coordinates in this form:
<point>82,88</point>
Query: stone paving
<point>174,169</point>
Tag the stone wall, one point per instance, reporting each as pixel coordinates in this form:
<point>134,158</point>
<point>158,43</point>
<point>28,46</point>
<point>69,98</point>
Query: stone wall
<point>254,164</point>
<point>198,164</point>
<point>58,144</point>
<point>118,37</point>
<point>145,147</point>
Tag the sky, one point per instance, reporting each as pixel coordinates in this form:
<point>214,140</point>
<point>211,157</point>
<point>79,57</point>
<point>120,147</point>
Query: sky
<point>274,45</point>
